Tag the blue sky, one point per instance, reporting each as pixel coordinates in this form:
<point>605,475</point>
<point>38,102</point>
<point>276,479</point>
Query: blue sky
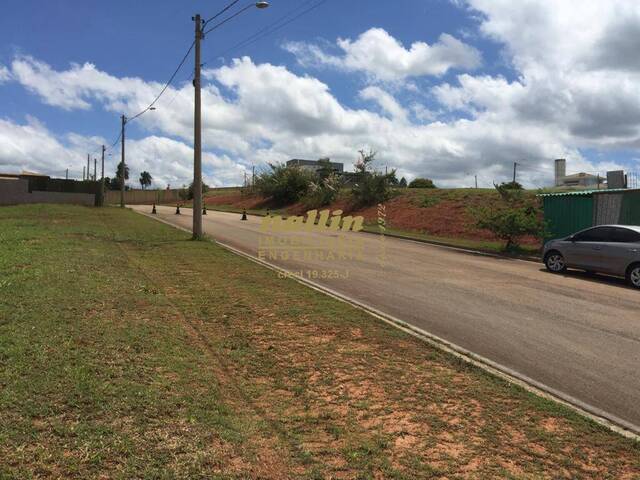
<point>489,83</point>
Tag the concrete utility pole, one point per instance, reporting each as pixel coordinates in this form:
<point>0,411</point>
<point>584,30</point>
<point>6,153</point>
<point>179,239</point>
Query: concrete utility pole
<point>122,172</point>
<point>88,167</point>
<point>197,138</point>
<point>83,173</point>
<point>515,166</point>
<point>66,175</point>
<point>95,168</point>
<point>476,177</point>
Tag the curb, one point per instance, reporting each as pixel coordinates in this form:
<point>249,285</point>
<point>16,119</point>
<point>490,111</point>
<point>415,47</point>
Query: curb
<point>599,416</point>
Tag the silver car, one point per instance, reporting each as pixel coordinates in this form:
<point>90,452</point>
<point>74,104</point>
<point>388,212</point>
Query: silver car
<point>609,249</point>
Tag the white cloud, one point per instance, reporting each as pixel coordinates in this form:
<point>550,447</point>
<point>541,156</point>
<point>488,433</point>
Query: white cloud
<point>384,58</point>
<point>386,101</point>
<point>5,74</point>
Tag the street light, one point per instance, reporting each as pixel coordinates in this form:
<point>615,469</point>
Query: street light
<point>197,122</point>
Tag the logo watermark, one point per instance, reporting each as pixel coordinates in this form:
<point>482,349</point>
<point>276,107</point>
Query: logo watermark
<point>324,237</point>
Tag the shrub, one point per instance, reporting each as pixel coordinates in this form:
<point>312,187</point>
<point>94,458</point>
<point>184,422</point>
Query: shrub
<point>510,218</point>
<point>370,187</point>
<point>422,183</point>
<point>323,191</point>
<point>285,185</point>
<point>187,193</point>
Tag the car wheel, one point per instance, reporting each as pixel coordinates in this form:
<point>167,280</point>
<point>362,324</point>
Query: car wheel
<point>554,261</point>
<point>633,275</point>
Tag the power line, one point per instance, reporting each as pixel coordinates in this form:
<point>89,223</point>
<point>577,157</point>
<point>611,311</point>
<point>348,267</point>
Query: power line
<point>164,89</point>
<point>272,28</point>
<point>220,12</point>
<point>219,24</point>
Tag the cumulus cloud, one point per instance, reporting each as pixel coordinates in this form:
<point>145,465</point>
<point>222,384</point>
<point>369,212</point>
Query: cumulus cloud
<point>5,74</point>
<point>383,57</point>
<point>569,88</point>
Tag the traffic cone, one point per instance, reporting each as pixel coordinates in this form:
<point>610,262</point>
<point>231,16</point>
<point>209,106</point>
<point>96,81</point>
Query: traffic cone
<point>178,209</point>
<point>204,209</point>
<point>244,214</point>
<point>154,209</point>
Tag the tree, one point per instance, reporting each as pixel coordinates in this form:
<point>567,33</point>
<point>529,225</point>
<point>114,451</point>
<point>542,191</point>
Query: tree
<point>511,218</point>
<point>187,193</point>
<point>422,183</point>
<point>145,179</point>
<point>323,191</point>
<point>370,186</point>
<point>119,171</point>
<point>510,186</point>
<point>285,185</point>
<point>403,183</point>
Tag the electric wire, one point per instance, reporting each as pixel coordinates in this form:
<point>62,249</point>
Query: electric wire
<point>229,18</point>
<point>270,29</point>
<point>220,12</point>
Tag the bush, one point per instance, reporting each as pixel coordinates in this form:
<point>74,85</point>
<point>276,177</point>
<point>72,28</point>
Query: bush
<point>371,187</point>
<point>285,185</point>
<point>187,193</point>
<point>511,218</point>
<point>422,183</point>
<point>323,191</point>
<point>509,186</point>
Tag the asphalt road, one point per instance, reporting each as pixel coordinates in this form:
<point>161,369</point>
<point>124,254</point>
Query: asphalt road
<point>573,333</point>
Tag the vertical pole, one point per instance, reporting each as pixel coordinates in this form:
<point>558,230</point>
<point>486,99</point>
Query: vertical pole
<point>515,166</point>
<point>83,173</point>
<point>197,139</point>
<point>102,176</point>
<point>88,167</point>
<point>122,172</point>
<point>95,167</point>
<point>66,175</point>
<point>476,177</point>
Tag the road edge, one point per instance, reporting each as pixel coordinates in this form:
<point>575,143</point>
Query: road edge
<point>611,422</point>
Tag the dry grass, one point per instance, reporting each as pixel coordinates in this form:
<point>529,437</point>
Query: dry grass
<point>128,351</point>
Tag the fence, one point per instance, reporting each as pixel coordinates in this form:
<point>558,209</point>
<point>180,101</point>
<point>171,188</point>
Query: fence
<point>142,197</point>
<point>16,191</point>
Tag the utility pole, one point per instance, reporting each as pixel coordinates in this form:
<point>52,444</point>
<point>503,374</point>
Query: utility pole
<point>88,168</point>
<point>66,175</point>
<point>83,173</point>
<point>103,150</point>
<point>515,166</point>
<point>476,177</point>
<point>95,167</point>
<point>197,138</point>
<point>122,172</point>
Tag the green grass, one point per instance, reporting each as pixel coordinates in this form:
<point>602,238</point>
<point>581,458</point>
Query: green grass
<point>129,351</point>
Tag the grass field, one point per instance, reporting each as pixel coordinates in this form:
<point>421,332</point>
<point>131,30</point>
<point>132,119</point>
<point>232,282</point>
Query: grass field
<point>129,351</point>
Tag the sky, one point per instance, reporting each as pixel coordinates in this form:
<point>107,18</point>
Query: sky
<point>444,89</point>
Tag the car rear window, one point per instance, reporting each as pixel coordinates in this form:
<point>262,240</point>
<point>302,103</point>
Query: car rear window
<point>625,235</point>
<point>600,234</point>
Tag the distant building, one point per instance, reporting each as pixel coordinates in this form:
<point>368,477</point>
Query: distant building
<point>315,165</point>
<point>582,180</point>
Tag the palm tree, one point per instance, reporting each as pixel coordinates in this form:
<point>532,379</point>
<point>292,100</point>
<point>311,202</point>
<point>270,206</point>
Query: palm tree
<point>145,179</point>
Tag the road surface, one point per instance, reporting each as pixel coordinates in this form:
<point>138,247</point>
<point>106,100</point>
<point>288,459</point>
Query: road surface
<point>576,334</point>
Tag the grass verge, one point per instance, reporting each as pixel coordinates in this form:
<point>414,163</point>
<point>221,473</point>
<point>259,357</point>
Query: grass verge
<point>128,351</point>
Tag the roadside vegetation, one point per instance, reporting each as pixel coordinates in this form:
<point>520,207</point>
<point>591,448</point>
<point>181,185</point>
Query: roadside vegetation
<point>176,361</point>
<point>513,217</point>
